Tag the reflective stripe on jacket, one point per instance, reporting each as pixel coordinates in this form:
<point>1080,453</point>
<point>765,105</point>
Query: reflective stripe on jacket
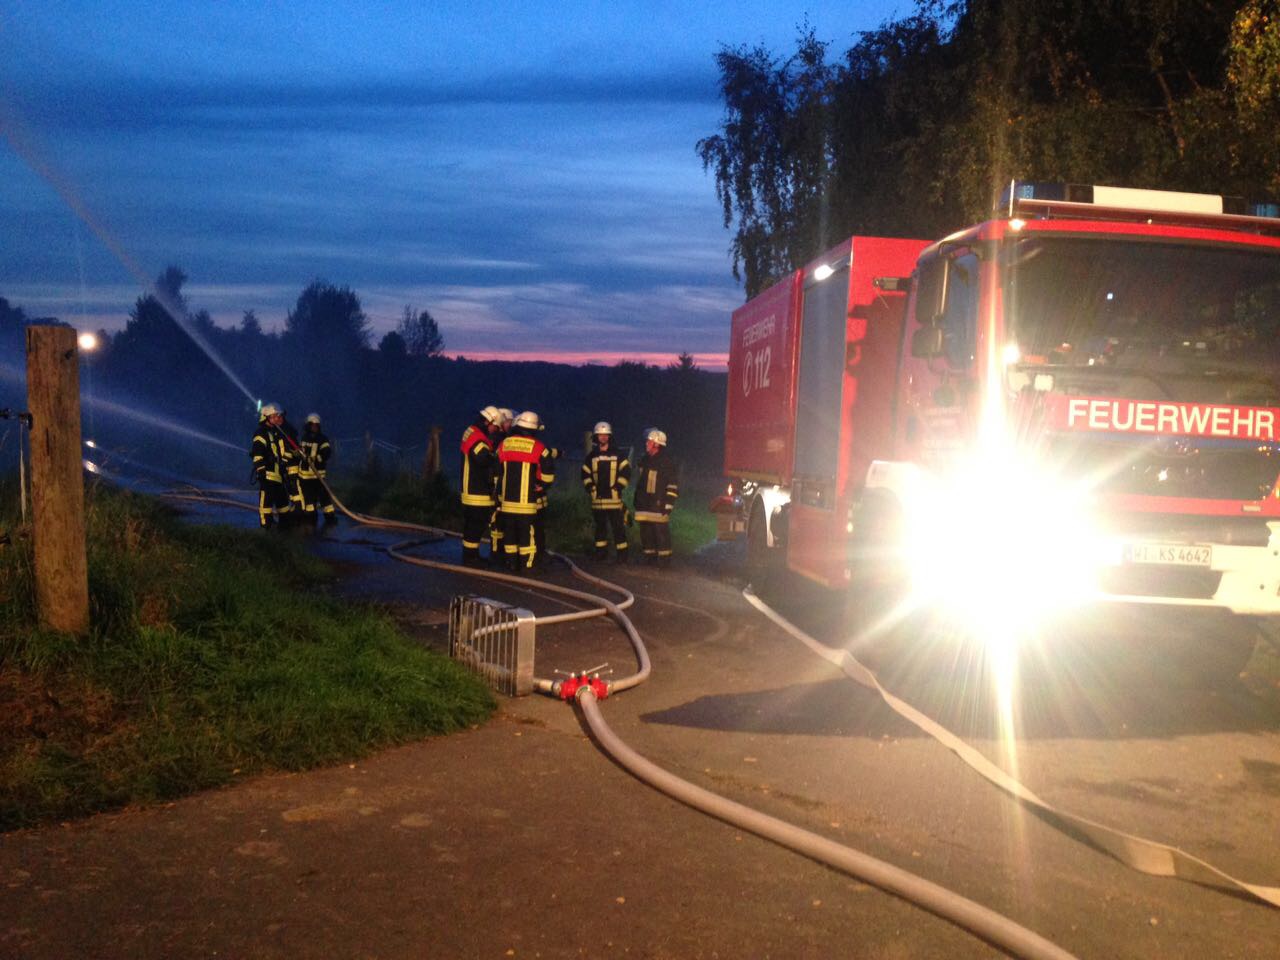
<point>527,470</point>
<point>316,451</point>
<point>605,474</point>
<point>657,487</point>
<point>271,454</point>
<point>479,465</point>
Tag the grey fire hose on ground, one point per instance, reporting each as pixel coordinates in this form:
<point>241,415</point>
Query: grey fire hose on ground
<point>993,927</point>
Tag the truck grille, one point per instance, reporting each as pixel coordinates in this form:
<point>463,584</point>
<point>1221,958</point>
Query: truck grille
<point>1171,466</point>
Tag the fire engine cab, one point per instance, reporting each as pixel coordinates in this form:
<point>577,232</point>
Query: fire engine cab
<point>1076,399</point>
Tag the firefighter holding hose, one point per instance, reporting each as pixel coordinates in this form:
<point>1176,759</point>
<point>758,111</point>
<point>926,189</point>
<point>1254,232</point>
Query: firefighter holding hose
<point>316,451</point>
<point>272,456</point>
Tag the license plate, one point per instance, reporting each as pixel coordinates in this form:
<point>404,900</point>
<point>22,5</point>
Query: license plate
<point>1175,554</point>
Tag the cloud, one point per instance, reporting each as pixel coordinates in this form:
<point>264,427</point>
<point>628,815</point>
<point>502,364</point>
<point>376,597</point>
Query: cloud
<point>131,103</point>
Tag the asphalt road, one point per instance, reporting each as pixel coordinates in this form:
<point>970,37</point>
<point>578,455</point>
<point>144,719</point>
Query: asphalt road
<point>522,839</point>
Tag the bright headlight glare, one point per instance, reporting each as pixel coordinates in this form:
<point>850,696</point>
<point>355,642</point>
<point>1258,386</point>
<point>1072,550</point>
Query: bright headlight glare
<point>1001,544</point>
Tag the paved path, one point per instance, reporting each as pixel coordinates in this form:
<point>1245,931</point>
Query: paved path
<point>521,839</point>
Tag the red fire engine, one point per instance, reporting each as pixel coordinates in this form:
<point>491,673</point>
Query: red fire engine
<point>1078,397</point>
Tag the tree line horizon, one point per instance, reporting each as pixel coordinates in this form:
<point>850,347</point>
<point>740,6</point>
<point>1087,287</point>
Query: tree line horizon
<point>324,361</point>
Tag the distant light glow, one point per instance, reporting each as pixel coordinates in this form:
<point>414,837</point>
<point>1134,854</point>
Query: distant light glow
<point>1012,354</point>
<point>822,272</point>
<point>1015,224</point>
<point>88,341</point>
<point>91,466</point>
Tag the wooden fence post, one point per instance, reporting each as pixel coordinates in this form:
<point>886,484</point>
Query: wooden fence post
<point>57,479</point>
<point>431,465</point>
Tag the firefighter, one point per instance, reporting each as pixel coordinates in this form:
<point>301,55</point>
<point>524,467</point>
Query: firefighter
<point>479,476</point>
<point>272,457</point>
<point>527,470</point>
<point>292,481</point>
<point>605,474</point>
<point>657,487</point>
<point>312,468</point>
<point>501,429</point>
<point>540,552</point>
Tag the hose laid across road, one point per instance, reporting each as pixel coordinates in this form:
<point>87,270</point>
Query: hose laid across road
<point>1147,856</point>
<point>991,926</point>
<point>987,924</point>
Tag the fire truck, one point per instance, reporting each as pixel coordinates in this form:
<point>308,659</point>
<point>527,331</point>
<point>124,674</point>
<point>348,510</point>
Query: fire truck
<point>1078,398</point>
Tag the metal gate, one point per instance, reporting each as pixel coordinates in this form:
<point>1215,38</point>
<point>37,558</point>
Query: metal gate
<point>495,641</point>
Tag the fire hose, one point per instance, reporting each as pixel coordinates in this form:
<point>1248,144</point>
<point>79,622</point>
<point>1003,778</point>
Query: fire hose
<point>1139,853</point>
<point>985,923</point>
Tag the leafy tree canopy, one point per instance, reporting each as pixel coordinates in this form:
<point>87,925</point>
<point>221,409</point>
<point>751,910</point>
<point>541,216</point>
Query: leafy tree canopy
<point>919,125</point>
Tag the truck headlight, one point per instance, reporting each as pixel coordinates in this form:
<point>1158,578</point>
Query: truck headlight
<point>1000,543</point>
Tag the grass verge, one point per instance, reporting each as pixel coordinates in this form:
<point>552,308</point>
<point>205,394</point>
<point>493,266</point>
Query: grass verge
<point>209,659</point>
<point>570,527</point>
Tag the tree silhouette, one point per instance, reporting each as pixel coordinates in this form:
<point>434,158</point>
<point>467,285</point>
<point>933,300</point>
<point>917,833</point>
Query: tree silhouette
<point>328,317</point>
<point>421,333</point>
<point>683,363</point>
<point>392,345</point>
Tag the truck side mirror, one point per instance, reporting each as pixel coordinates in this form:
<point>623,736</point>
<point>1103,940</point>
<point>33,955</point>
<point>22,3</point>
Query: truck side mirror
<point>926,342</point>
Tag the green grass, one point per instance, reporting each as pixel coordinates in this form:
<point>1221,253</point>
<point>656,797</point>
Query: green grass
<point>403,496</point>
<point>570,527</point>
<point>212,655</point>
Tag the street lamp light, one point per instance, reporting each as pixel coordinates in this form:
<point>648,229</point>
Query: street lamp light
<point>88,343</point>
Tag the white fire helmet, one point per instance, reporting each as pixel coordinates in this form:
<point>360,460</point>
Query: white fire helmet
<point>491,415</point>
<point>313,418</point>
<point>270,410</point>
<point>528,421</point>
<point>657,436</point>
<point>602,427</point>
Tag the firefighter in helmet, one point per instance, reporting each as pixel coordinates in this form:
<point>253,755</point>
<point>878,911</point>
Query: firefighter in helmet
<point>292,479</point>
<point>272,456</point>
<point>500,431</point>
<point>479,476</point>
<point>540,552</point>
<point>527,470</point>
<point>657,487</point>
<point>606,473</point>
<point>312,468</point>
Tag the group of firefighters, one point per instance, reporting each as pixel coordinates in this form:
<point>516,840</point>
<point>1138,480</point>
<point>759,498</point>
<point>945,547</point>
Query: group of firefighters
<point>290,469</point>
<point>507,471</point>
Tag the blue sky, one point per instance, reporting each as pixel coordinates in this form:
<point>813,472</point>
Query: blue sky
<point>524,171</point>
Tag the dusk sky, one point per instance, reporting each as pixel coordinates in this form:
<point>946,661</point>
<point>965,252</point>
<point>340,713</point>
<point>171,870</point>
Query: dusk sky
<point>526,172</point>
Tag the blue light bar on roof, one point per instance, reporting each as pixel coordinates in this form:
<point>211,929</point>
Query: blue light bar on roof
<point>1126,198</point>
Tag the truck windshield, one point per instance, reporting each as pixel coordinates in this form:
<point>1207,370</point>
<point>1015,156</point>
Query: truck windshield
<point>1188,321</point>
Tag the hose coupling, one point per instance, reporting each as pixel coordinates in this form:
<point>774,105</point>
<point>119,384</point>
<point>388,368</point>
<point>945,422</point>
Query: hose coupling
<point>578,681</point>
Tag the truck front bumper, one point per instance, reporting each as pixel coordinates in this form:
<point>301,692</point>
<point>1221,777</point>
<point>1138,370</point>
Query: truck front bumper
<point>1241,577</point>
